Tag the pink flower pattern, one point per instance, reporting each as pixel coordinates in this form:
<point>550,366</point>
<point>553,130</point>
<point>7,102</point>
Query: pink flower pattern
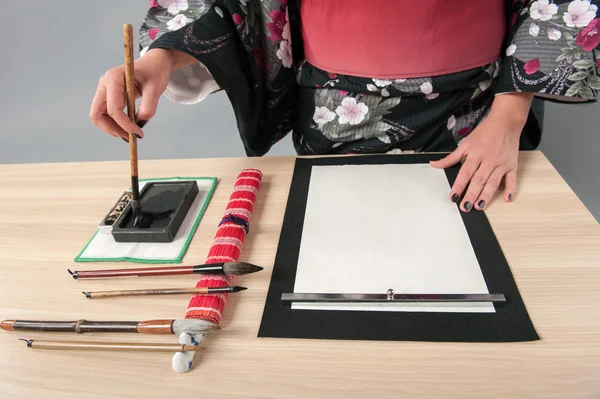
<point>580,13</point>
<point>543,10</point>
<point>152,33</point>
<point>554,34</point>
<point>178,22</point>
<point>451,122</point>
<point>237,18</point>
<point>351,111</point>
<point>323,115</point>
<point>532,66</point>
<point>173,6</point>
<point>276,27</point>
<point>589,37</point>
<point>286,31</point>
<point>464,131</point>
<point>285,53</point>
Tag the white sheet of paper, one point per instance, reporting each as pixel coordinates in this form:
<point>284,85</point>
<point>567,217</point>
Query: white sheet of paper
<point>368,228</point>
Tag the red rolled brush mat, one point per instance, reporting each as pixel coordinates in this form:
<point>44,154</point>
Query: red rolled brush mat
<point>227,245</point>
<point>509,323</point>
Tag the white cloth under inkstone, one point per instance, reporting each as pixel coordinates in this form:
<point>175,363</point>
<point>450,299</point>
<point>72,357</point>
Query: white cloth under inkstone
<point>103,248</point>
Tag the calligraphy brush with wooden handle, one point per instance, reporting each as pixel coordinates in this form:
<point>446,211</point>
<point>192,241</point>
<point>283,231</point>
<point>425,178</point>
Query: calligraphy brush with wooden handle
<point>136,206</point>
<point>166,327</point>
<point>118,346</point>
<point>164,291</point>
<point>228,268</point>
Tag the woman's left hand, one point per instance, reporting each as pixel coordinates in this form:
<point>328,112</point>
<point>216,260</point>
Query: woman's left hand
<point>489,154</point>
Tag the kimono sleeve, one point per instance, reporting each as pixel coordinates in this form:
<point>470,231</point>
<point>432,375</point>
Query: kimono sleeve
<point>552,50</point>
<point>243,47</point>
<point>190,84</point>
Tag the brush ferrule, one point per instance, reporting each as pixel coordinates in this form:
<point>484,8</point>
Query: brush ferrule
<point>135,188</point>
<point>136,207</point>
<point>208,268</point>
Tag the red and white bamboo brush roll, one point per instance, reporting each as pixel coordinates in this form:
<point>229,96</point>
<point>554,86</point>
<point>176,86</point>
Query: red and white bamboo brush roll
<point>227,245</point>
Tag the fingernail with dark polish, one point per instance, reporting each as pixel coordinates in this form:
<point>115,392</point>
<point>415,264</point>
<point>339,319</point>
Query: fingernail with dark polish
<point>481,204</point>
<point>510,197</point>
<point>141,124</point>
<point>467,206</point>
<point>454,197</point>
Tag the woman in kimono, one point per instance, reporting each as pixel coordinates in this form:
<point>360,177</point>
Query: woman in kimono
<point>467,77</point>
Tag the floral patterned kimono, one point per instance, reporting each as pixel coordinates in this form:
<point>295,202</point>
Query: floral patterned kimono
<point>253,50</point>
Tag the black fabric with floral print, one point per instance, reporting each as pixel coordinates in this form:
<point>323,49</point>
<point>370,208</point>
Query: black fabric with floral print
<point>344,114</point>
<point>253,49</point>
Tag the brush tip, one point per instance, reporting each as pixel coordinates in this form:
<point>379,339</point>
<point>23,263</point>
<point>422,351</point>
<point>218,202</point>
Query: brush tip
<point>29,341</point>
<point>87,294</point>
<point>238,289</point>
<point>240,268</point>
<point>72,273</point>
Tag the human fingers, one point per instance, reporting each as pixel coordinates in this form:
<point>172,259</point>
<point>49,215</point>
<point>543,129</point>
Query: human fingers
<point>115,103</point>
<point>467,170</point>
<point>98,114</point>
<point>149,103</point>
<point>450,160</point>
<point>108,125</point>
<point>510,185</point>
<point>476,185</point>
<point>491,186</point>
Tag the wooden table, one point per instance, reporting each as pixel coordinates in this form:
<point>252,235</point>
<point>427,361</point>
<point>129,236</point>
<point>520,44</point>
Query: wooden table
<point>50,211</point>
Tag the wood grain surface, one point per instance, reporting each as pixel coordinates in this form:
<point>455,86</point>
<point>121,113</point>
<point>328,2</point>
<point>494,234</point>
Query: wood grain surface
<point>50,211</point>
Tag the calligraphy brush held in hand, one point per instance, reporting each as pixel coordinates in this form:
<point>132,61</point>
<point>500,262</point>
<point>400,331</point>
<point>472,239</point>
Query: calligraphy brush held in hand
<point>136,207</point>
<point>163,291</point>
<point>229,268</point>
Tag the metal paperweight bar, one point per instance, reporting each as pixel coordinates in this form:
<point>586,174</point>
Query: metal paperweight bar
<point>391,296</point>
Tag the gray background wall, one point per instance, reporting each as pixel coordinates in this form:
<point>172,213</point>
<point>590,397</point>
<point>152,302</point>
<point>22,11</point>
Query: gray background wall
<point>53,53</point>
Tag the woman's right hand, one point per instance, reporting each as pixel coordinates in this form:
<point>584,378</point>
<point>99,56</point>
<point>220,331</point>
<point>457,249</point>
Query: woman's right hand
<point>152,73</point>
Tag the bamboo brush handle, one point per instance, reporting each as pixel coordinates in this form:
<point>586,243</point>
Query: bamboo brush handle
<point>87,326</point>
<point>129,346</point>
<point>159,291</point>
<point>130,91</point>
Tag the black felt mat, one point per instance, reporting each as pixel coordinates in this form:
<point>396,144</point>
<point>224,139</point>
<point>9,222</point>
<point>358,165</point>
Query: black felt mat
<point>510,323</point>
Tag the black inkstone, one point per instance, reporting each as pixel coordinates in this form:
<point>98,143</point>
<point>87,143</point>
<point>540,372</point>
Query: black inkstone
<point>164,207</point>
